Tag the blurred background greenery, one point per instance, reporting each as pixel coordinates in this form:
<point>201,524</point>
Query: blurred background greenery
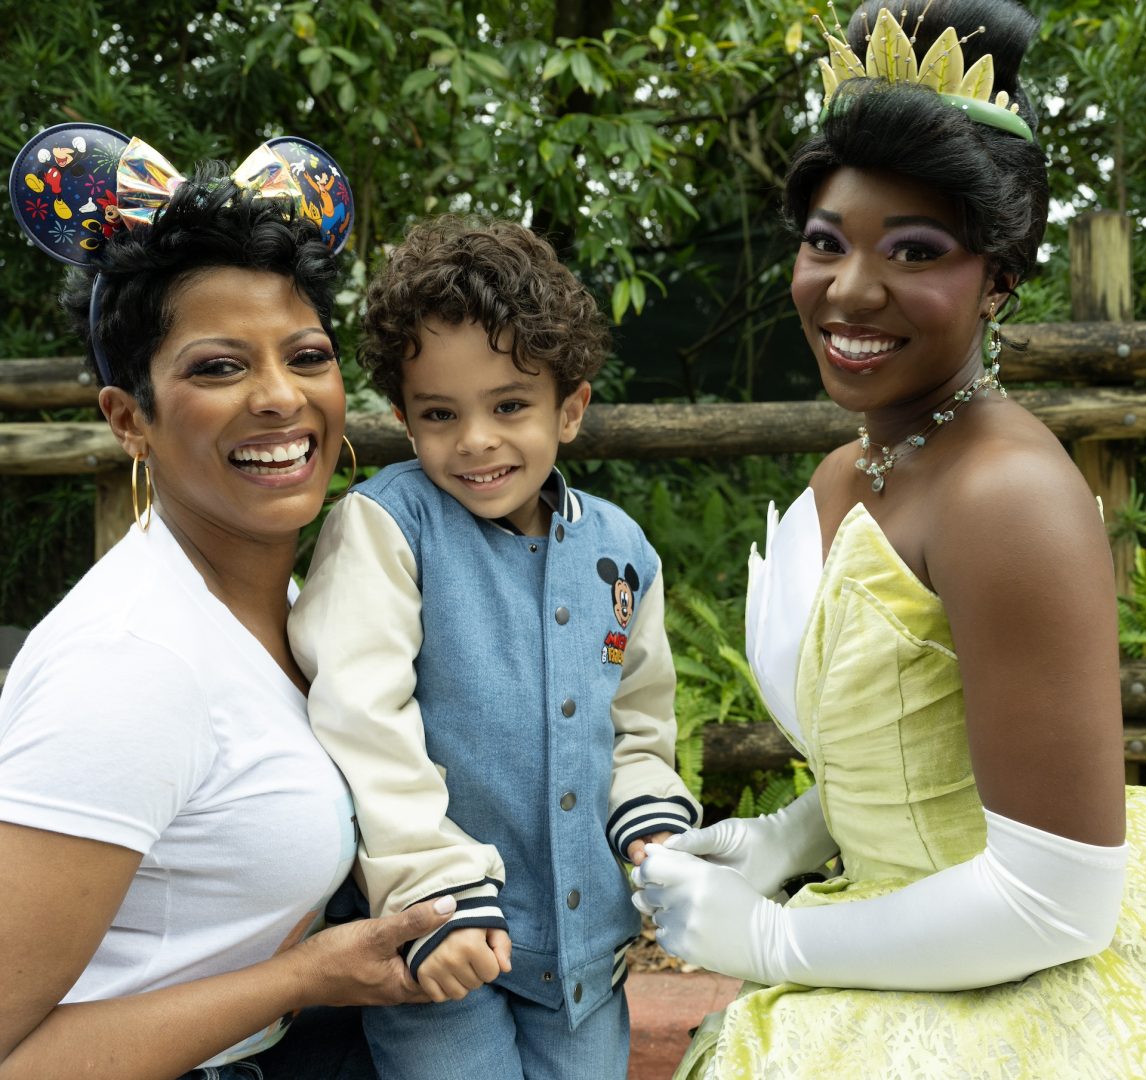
<point>646,140</point>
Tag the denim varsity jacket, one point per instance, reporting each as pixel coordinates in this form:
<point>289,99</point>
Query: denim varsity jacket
<point>502,707</point>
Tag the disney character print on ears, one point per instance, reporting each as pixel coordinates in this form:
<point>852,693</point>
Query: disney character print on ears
<point>326,196</point>
<point>63,189</point>
<point>74,185</point>
<point>623,588</point>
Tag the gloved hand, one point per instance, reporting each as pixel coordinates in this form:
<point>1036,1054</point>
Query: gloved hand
<point>1029,901</point>
<point>767,850</point>
<point>710,915</point>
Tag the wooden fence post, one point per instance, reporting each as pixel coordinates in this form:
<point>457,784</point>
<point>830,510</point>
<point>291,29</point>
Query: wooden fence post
<point>113,513</point>
<point>1100,291</point>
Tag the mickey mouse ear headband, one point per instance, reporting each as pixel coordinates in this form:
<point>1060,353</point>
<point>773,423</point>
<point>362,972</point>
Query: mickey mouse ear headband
<point>74,186</point>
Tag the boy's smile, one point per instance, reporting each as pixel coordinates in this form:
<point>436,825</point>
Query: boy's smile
<point>484,431</point>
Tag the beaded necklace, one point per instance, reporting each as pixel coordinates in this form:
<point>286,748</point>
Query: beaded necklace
<point>878,470</point>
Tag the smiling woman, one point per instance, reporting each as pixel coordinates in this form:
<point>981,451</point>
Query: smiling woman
<point>170,830</point>
<point>933,626</point>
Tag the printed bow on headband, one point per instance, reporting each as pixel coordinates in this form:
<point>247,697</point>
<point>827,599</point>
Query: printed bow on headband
<point>73,186</point>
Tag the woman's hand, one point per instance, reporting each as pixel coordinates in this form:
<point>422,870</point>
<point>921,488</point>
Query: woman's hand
<point>769,849</point>
<point>709,915</point>
<point>358,963</point>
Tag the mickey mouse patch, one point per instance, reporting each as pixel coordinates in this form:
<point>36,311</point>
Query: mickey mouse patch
<point>623,587</point>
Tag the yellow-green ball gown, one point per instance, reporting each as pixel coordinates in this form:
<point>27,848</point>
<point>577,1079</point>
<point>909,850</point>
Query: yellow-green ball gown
<point>880,714</point>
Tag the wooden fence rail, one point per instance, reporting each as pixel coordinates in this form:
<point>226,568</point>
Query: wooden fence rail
<point>637,432</point>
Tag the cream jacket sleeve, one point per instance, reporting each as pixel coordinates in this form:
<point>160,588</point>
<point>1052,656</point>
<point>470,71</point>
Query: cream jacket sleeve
<point>646,796</point>
<point>356,631</point>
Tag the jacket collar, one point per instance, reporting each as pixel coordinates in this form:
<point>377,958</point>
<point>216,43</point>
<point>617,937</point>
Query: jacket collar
<point>557,495</point>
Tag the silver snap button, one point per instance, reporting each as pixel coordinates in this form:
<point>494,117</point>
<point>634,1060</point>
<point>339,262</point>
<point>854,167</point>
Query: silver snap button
<point>559,533</point>
<point>568,801</point>
<point>577,993</point>
<point>561,615</point>
<point>573,900</point>
<point>568,707</point>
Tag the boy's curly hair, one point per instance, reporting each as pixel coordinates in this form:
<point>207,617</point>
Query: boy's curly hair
<point>495,273</point>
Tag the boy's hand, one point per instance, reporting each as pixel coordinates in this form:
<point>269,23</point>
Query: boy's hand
<point>467,958</point>
<point>636,850</point>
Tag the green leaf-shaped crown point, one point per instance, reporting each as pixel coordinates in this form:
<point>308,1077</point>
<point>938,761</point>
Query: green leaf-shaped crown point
<point>891,57</point>
<point>889,51</point>
<point>942,67</point>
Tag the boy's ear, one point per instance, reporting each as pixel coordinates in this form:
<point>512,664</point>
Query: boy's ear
<point>573,411</point>
<point>125,418</point>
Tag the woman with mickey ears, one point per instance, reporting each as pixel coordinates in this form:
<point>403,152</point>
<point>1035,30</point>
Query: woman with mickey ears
<point>170,831</point>
<point>933,626</point>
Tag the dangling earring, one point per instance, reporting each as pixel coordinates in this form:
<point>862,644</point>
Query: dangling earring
<point>353,473</point>
<point>144,520</point>
<point>993,343</point>
<point>992,347</point>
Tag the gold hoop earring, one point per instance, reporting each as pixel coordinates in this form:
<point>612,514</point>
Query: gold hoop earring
<point>353,472</point>
<point>147,489</point>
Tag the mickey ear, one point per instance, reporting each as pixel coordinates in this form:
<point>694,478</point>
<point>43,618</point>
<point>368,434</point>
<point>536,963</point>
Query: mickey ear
<point>56,203</point>
<point>326,196</point>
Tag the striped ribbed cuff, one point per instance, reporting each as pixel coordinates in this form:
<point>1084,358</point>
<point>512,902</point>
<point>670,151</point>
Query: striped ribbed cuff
<point>477,906</point>
<point>620,964</point>
<point>646,815</point>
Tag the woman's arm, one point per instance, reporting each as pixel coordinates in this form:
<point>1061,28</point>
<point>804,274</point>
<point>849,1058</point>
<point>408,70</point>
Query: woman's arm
<point>1020,557</point>
<point>60,894</point>
<point>1021,560</point>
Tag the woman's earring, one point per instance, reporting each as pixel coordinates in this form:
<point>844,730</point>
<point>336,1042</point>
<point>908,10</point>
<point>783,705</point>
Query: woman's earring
<point>144,520</point>
<point>993,343</point>
<point>353,472</point>
<point>992,346</point>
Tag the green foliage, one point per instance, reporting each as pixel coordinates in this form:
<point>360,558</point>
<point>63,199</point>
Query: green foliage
<point>48,541</point>
<point>702,516</point>
<point>714,682</point>
<point>1086,69</point>
<point>771,790</point>
<point>1132,611</point>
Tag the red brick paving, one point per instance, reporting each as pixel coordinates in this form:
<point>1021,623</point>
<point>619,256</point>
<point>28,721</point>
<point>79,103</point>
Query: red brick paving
<point>663,1007</point>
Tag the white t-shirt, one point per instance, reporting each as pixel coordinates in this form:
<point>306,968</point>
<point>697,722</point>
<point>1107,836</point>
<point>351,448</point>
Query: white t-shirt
<point>141,713</point>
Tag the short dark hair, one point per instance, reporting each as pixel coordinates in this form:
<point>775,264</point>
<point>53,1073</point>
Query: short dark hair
<point>997,181</point>
<point>209,223</point>
<point>495,273</point>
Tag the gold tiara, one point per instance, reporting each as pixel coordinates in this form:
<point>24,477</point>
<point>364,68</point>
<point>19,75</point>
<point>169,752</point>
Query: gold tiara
<point>891,56</point>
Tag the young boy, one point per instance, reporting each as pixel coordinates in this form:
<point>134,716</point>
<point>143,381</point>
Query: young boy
<point>490,668</point>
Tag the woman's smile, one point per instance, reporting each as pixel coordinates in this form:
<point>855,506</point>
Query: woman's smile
<point>287,457</point>
<point>859,350</point>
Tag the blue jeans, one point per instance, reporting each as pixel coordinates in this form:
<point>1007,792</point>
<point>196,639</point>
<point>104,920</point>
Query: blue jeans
<point>323,1043</point>
<point>496,1034</point>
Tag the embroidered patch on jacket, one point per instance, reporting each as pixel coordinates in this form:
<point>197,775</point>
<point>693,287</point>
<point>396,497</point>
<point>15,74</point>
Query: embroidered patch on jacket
<point>623,588</point>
